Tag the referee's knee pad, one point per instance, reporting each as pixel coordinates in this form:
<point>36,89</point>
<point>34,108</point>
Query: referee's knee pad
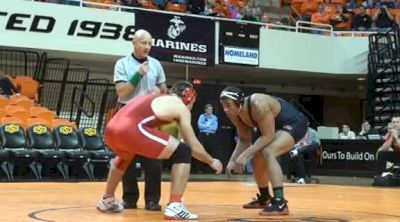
<point>182,154</point>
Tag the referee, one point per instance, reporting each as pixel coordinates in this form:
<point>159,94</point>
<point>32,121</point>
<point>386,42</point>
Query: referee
<point>135,75</point>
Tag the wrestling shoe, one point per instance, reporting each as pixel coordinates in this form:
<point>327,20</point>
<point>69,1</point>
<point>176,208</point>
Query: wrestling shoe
<point>109,204</point>
<point>257,203</point>
<point>277,207</point>
<point>176,211</point>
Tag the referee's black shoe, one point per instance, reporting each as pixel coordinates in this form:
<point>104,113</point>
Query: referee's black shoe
<point>152,206</point>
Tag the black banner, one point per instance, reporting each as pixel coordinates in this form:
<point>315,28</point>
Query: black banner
<point>348,157</point>
<point>242,38</point>
<point>179,39</point>
<point>239,34</point>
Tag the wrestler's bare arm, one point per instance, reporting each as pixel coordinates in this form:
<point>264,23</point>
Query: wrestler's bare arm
<point>244,137</point>
<point>171,108</point>
<point>263,116</point>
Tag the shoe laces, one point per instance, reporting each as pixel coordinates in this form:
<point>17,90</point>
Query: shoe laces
<point>181,208</point>
<point>109,202</point>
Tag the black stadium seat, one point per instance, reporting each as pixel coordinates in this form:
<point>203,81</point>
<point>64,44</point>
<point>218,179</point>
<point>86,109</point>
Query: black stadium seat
<point>93,143</point>
<point>41,140</point>
<point>67,140</point>
<point>15,149</point>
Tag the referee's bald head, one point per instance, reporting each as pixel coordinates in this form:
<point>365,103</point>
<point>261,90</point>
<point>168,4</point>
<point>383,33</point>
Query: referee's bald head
<point>140,34</point>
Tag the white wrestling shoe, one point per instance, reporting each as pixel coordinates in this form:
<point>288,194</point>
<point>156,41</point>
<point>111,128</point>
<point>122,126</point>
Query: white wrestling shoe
<point>110,204</point>
<point>176,211</point>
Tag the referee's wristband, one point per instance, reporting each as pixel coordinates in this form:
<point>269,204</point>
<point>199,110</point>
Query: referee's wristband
<point>135,79</point>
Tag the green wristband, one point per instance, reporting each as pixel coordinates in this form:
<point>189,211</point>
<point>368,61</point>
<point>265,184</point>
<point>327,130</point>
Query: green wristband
<point>135,79</point>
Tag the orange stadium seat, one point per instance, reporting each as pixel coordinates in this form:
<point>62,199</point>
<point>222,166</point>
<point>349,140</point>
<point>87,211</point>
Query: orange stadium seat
<point>27,86</point>
<point>36,109</point>
<point>47,115</point>
<point>30,89</point>
<point>36,121</point>
<point>4,101</point>
<point>12,108</point>
<point>59,122</point>
<point>2,112</point>
<point>18,111</point>
<point>147,4</point>
<point>15,98</point>
<point>173,7</point>
<point>13,120</point>
<point>342,2</point>
<point>26,103</point>
<point>20,78</point>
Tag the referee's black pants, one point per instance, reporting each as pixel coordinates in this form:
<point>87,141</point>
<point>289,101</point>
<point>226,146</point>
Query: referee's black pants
<point>208,142</point>
<point>152,181</point>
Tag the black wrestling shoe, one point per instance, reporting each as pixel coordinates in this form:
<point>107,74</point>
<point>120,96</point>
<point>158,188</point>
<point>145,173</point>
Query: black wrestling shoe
<point>277,207</point>
<point>257,203</point>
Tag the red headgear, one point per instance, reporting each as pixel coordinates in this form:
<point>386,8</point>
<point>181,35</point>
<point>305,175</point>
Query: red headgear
<point>185,90</point>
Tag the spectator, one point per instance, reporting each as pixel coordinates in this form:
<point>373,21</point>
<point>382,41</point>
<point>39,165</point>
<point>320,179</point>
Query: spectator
<point>208,125</point>
<point>329,7</point>
<point>361,21</point>
<point>301,151</point>
<point>389,3</point>
<point>320,17</point>
<point>350,6</point>
<point>369,4</point>
<point>383,19</point>
<point>256,13</point>
<point>234,11</point>
<point>308,8</point>
<point>208,9</point>
<point>161,4</point>
<point>7,88</point>
<point>248,15</point>
<point>389,152</point>
<point>388,129</point>
<point>182,2</point>
<point>131,3</point>
<point>220,10</point>
<point>196,6</point>
<point>366,130</point>
<point>339,20</point>
<point>346,133</point>
<point>397,19</point>
<point>265,18</point>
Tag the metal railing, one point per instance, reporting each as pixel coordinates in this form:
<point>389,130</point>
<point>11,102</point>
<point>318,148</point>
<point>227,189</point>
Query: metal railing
<point>299,26</point>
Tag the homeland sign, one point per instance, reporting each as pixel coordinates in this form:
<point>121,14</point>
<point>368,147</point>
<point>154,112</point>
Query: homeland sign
<point>239,42</point>
<point>240,56</point>
<point>179,39</point>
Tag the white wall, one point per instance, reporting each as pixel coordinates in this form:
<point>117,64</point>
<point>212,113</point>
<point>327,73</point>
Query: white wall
<point>313,53</point>
<point>57,38</point>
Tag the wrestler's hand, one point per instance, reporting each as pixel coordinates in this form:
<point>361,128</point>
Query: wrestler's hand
<point>228,170</point>
<point>144,68</point>
<point>216,165</point>
<point>156,90</point>
<point>241,163</point>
